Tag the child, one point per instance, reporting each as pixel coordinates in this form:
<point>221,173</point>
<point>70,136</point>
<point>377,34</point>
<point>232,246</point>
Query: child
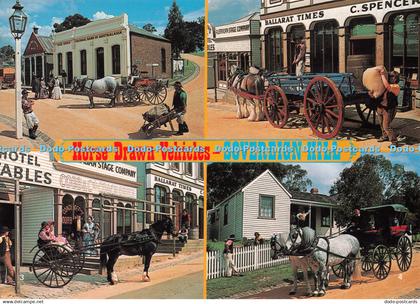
<point>30,117</point>
<point>183,235</point>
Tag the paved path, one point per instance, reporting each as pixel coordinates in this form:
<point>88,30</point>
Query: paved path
<point>72,118</point>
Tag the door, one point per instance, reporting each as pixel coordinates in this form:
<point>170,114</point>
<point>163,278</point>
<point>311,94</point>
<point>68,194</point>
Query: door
<point>296,34</point>
<point>201,223</point>
<point>100,63</point>
<point>69,67</point>
<point>325,47</point>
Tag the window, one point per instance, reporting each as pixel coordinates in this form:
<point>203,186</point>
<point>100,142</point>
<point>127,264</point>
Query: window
<point>116,60</point>
<point>163,60</point>
<point>175,166</point>
<point>266,206</point>
<point>120,218</point>
<point>325,217</point>
<point>177,196</point>
<point>60,62</point>
<point>160,198</point>
<point>222,66</point>
<point>128,219</point>
<point>226,214</point>
<point>273,50</point>
<point>324,47</point>
<point>83,62</point>
<point>201,170</point>
<point>189,169</point>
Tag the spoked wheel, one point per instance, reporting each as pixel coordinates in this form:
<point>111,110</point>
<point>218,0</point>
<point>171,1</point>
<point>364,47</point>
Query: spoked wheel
<point>368,115</point>
<point>366,262</point>
<point>404,253</point>
<point>339,270</point>
<point>323,107</point>
<point>131,97</point>
<point>54,266</point>
<point>156,95</point>
<point>381,262</point>
<point>276,106</point>
<point>79,260</point>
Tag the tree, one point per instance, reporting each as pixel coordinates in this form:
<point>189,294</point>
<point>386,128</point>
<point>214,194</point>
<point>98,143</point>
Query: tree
<point>175,29</point>
<point>75,20</point>
<point>223,179</point>
<point>195,34</point>
<point>149,27</point>
<point>373,180</point>
<point>7,52</point>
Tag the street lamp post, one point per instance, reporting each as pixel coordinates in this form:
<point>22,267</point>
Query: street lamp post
<point>17,24</point>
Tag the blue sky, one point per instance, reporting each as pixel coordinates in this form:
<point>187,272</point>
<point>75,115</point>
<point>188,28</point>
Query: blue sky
<point>323,175</point>
<point>226,11</point>
<point>44,13</point>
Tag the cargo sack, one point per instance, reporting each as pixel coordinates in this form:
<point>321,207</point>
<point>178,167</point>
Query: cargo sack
<point>373,82</point>
<point>156,112</point>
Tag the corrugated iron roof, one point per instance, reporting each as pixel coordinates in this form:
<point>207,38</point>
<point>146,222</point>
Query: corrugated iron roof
<point>143,32</point>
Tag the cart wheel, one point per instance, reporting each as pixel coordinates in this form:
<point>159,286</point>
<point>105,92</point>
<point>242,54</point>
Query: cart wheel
<point>323,107</point>
<point>404,253</point>
<point>339,270</point>
<point>156,95</point>
<point>276,106</point>
<point>79,260</point>
<point>381,262</point>
<point>53,266</point>
<point>367,113</point>
<point>131,97</point>
<point>367,262</point>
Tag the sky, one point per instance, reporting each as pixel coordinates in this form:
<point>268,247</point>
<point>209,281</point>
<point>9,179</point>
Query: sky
<point>226,11</point>
<point>44,13</point>
<point>323,175</point>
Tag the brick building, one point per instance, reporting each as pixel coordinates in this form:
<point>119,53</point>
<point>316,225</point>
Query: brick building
<point>110,47</point>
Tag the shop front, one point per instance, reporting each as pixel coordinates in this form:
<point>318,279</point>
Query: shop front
<point>231,46</point>
<point>343,36</point>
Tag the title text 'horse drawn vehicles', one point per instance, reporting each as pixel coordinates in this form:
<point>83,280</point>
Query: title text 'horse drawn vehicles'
<point>323,97</point>
<point>384,236</point>
<point>55,265</point>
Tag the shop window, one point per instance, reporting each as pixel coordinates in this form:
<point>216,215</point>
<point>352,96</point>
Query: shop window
<point>67,213</point>
<point>83,62</point>
<point>324,47</point>
<point>116,59</point>
<point>325,217</point>
<point>362,38</point>
<point>294,37</point>
<point>96,210</point>
<point>177,196</point>
<point>107,228</point>
<point>190,205</point>
<point>266,206</point>
<point>274,57</point>
<point>222,69</point>
<point>59,62</point>
<point>226,215</point>
<point>163,60</point>
<point>188,169</point>
<point>244,61</point>
<point>160,198</point>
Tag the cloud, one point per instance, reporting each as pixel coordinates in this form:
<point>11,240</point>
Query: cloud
<point>101,15</point>
<point>194,15</point>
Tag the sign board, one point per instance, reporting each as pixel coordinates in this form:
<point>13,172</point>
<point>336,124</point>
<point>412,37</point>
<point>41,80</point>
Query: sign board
<point>35,168</point>
<point>233,30</point>
<point>118,170</point>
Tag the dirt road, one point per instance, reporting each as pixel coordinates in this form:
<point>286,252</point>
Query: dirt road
<point>222,123</point>
<point>397,284</point>
<point>72,118</point>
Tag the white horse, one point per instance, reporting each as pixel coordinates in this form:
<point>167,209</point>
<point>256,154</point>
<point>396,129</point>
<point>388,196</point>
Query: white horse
<point>101,86</point>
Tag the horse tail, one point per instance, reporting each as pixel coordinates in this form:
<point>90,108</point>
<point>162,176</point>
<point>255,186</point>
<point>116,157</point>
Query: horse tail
<point>103,257</point>
<point>357,274</point>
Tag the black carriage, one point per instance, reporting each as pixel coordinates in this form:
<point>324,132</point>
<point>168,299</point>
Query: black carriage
<point>384,236</point>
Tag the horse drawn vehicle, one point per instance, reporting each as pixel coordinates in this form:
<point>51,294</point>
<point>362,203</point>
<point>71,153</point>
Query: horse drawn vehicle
<point>384,236</point>
<point>151,89</point>
<point>381,236</point>
<point>323,97</point>
<point>55,265</point>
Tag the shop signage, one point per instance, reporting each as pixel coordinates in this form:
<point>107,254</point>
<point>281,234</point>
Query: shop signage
<point>377,8</point>
<point>119,170</point>
<point>231,30</point>
<point>172,183</point>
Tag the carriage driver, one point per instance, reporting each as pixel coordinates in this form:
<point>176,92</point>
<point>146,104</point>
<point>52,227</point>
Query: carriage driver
<point>180,105</point>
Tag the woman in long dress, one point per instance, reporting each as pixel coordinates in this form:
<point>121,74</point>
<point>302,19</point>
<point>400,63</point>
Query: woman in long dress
<point>57,90</point>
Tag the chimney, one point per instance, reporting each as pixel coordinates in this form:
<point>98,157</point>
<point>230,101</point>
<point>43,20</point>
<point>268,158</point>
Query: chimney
<point>35,30</point>
<point>314,191</point>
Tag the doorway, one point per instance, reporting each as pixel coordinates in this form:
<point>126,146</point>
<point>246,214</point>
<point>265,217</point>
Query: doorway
<point>100,63</point>
<point>295,34</point>
<point>324,47</point>
<point>201,223</point>
<point>69,67</point>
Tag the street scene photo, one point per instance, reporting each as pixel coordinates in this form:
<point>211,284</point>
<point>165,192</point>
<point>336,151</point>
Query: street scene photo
<point>100,230</point>
<point>90,70</point>
<point>299,231</point>
<point>314,69</point>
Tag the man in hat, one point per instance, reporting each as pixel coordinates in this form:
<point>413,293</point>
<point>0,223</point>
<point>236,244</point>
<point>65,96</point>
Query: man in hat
<point>5,258</point>
<point>180,105</point>
<point>30,117</point>
<point>228,256</point>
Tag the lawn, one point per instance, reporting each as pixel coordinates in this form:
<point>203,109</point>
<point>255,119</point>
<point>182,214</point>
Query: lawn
<point>252,282</point>
<point>201,54</point>
<point>189,69</point>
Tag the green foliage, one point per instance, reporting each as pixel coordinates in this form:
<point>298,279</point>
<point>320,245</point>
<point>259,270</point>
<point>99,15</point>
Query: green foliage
<point>7,53</point>
<point>223,179</point>
<point>251,282</point>
<point>149,27</point>
<point>75,20</point>
<point>371,181</point>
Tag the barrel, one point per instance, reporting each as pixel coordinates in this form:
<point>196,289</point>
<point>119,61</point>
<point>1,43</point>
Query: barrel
<point>357,64</point>
<point>193,234</point>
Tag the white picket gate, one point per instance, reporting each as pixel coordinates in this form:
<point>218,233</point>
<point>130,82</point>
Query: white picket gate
<point>246,259</point>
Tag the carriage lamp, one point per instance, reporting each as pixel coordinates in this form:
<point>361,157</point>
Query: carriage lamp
<point>17,22</point>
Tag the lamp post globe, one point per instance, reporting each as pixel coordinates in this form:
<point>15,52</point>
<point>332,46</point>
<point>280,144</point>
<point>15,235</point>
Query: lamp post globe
<point>17,22</point>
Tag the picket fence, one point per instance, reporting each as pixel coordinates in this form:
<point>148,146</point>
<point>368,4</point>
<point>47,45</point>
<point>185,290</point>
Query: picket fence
<point>246,259</point>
